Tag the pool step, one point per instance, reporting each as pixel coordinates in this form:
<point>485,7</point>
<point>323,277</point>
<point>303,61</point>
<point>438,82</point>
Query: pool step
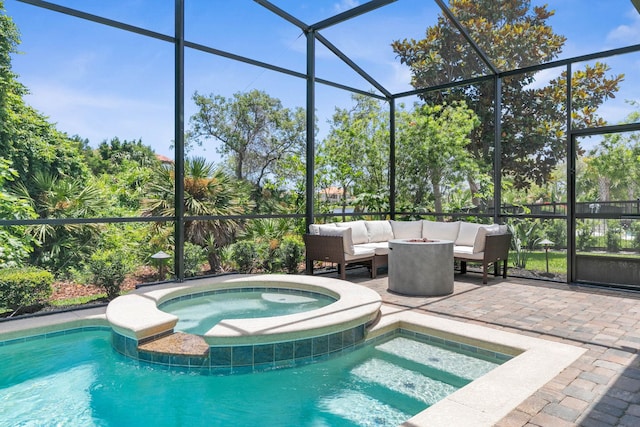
<point>402,380</point>
<point>177,343</point>
<point>457,364</point>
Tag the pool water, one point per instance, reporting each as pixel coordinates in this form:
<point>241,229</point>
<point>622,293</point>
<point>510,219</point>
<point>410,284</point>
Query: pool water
<point>77,379</point>
<point>199,314</point>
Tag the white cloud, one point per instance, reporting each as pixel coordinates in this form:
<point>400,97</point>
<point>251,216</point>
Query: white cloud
<point>627,34</point>
<point>345,5</point>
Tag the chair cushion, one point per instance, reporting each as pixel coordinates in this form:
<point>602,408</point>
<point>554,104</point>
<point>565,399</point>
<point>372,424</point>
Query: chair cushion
<point>481,236</point>
<point>360,252</point>
<point>345,233</point>
<point>467,253</point>
<point>467,234</point>
<point>406,229</point>
<point>315,228</point>
<point>380,248</point>
<point>437,230</point>
<point>359,232</point>
<point>379,231</point>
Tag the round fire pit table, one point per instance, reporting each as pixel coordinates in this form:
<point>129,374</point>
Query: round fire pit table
<point>421,267</point>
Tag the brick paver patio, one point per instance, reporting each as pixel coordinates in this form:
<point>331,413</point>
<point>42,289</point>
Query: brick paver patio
<point>599,389</point>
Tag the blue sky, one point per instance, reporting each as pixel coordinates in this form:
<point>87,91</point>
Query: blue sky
<point>99,82</point>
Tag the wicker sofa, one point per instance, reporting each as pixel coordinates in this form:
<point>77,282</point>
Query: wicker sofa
<point>366,242</point>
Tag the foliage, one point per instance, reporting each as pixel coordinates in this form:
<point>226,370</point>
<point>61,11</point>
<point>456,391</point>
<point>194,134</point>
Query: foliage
<point>523,240</point>
<point>291,252</point>
<point>432,155</point>
<point>268,235</point>
<point>634,230</point>
<point>612,168</point>
<point>244,255</point>
<point>207,192</point>
<point>556,231</point>
<point>257,134</point>
<point>15,243</point>
<point>612,236</point>
<point>194,257</point>
<point>355,154</point>
<point>23,287</point>
<point>109,269</point>
<point>62,246</point>
<point>513,36</point>
<point>584,236</point>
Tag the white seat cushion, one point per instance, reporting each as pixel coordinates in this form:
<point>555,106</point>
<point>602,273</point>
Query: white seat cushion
<point>406,229</point>
<point>436,230</point>
<point>467,252</point>
<point>345,233</point>
<point>379,231</point>
<point>359,253</point>
<point>359,233</point>
<point>380,248</point>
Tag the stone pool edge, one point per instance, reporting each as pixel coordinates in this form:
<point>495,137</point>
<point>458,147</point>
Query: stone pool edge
<point>488,399</point>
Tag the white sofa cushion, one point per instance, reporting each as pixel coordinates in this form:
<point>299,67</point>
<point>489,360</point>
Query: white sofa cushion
<point>380,248</point>
<point>315,228</point>
<point>345,233</point>
<point>359,230</point>
<point>406,229</point>
<point>467,252</point>
<point>360,252</point>
<point>379,231</point>
<point>481,236</point>
<point>467,234</point>
<point>436,230</point>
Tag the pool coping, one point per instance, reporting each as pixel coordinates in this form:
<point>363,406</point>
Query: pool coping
<point>483,402</point>
<point>488,399</point>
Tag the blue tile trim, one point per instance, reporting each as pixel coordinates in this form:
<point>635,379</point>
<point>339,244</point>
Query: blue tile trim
<point>54,334</point>
<point>225,360</point>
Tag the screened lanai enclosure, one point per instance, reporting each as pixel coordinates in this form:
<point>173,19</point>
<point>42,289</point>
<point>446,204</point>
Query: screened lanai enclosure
<point>203,137</point>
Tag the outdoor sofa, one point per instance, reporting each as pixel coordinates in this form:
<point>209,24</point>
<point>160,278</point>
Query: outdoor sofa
<point>367,242</point>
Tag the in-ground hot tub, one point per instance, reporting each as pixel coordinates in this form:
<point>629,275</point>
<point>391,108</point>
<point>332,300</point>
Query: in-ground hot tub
<point>245,344</point>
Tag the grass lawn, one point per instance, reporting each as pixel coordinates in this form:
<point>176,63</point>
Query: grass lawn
<point>536,261</point>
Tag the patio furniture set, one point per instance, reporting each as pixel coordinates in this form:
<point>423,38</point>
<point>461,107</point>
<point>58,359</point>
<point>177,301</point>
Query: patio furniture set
<point>414,251</point>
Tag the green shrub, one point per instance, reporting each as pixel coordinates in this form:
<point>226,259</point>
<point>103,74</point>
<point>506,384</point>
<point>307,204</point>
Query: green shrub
<point>22,287</point>
<point>291,253</point>
<point>109,269</point>
<point>584,236</point>
<point>194,257</point>
<point>245,255</point>
<point>613,238</point>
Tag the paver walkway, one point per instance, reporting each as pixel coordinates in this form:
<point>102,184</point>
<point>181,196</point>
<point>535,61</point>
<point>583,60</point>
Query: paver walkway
<point>602,388</point>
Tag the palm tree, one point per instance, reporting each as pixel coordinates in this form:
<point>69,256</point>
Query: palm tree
<point>208,191</point>
<point>66,245</point>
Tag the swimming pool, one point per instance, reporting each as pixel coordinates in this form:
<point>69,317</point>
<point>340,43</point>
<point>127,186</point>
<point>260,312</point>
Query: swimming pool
<point>198,314</point>
<point>76,379</point>
<point>482,402</point>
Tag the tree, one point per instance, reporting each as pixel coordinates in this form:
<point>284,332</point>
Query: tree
<point>613,167</point>
<point>15,243</point>
<point>513,36</point>
<point>62,247</point>
<point>432,156</point>
<point>208,191</point>
<point>26,138</point>
<point>355,154</point>
<point>257,134</point>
